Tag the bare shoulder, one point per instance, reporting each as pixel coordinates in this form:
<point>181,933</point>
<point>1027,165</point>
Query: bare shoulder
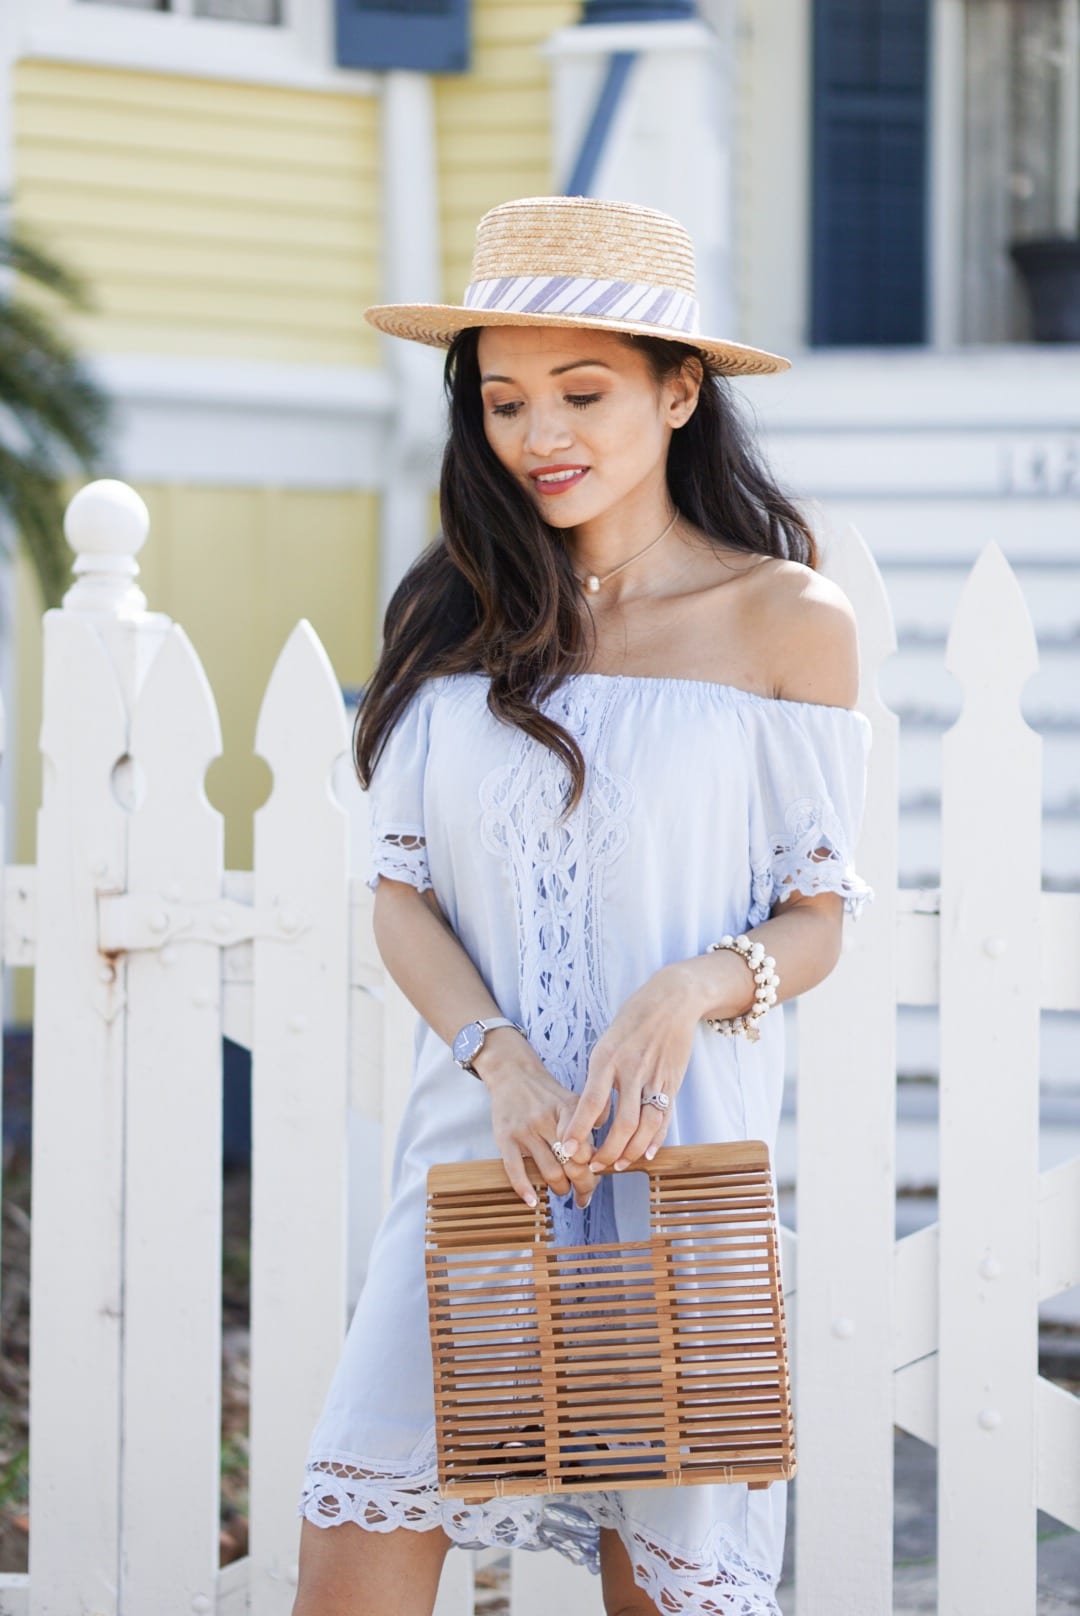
<point>813,634</point>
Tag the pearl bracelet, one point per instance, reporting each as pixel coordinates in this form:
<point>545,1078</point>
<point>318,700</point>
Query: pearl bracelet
<point>765,975</point>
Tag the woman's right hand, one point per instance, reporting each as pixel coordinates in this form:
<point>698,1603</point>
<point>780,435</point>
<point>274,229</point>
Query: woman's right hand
<point>530,1110</point>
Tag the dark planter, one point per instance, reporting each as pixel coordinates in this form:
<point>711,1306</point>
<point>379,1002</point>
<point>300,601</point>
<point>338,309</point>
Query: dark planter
<point>1050,268</point>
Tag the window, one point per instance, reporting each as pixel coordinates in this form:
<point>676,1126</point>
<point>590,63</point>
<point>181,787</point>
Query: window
<point>1021,150</point>
<point>287,42</point>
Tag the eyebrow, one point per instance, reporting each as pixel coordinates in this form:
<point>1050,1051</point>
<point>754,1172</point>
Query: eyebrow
<point>559,370</point>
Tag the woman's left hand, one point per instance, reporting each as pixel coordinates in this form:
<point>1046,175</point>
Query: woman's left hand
<point>644,1051</point>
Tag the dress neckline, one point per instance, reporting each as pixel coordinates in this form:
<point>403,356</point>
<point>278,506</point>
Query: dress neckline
<point>661,680</point>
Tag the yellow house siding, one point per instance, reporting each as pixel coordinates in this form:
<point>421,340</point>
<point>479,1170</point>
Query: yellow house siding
<point>213,218</point>
<point>236,568</point>
<point>494,124</point>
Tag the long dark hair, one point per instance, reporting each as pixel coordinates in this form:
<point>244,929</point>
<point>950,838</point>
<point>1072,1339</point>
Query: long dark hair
<point>495,592</point>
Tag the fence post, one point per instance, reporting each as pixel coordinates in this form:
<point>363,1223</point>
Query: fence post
<point>988,1295</point>
<point>171,1500</point>
<point>846,1188</point>
<point>97,646</point>
<point>300,1094</point>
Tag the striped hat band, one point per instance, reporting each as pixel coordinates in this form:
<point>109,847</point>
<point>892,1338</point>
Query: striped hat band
<point>637,301</point>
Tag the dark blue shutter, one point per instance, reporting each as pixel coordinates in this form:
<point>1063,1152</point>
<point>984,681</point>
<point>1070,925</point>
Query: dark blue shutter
<point>427,36</point>
<point>637,10</point>
<point>870,191</point>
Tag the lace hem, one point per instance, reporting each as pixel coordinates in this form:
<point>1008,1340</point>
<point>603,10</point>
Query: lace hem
<point>381,1497</point>
<point>400,853</point>
<point>808,858</point>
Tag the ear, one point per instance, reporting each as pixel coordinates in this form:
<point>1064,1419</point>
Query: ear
<point>683,390</point>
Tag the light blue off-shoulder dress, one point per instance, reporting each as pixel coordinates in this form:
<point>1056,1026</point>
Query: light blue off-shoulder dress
<point>704,804</point>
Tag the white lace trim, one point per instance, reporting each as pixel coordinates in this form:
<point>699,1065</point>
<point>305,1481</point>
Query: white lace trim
<point>808,857</point>
<point>399,852</point>
<point>381,1497</point>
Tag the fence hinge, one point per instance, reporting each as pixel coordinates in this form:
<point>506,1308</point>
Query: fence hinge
<point>136,920</point>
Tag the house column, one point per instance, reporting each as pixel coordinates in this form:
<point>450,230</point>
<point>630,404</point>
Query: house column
<point>644,112</point>
<point>411,274</point>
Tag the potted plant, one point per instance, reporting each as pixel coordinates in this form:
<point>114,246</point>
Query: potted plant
<point>1050,269</point>
<point>1049,264</point>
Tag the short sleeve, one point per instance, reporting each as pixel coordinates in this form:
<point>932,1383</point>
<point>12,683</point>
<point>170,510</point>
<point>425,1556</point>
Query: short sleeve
<point>807,803</point>
<point>396,798</point>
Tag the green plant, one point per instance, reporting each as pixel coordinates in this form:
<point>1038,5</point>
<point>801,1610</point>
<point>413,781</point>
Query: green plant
<point>54,418</point>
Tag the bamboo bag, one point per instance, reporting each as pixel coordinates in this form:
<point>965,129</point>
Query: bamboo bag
<point>659,1362</point>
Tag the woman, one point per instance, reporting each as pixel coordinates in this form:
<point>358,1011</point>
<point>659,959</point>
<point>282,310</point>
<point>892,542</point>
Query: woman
<point>612,724</point>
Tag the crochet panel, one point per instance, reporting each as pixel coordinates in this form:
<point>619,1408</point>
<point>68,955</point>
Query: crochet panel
<point>382,1497</point>
<point>400,853</point>
<point>557,871</point>
<point>807,856</point>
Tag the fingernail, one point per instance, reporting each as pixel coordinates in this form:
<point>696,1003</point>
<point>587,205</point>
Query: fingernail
<point>530,1199</point>
<point>651,1152</point>
<point>596,1167</point>
<point>569,1145</point>
<point>619,1165</point>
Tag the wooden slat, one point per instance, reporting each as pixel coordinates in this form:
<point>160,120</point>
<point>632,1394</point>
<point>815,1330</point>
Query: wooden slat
<point>565,1368</point>
<point>846,1181</point>
<point>988,1258</point>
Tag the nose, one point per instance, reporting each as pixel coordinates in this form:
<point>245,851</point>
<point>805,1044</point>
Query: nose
<point>548,430</point>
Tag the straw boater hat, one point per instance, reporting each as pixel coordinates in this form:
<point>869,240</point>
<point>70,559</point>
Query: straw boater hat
<point>578,261</point>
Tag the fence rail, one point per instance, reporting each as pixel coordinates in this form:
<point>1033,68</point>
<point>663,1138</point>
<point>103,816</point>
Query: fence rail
<point>147,950</point>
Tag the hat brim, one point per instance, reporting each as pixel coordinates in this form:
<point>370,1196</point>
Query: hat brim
<point>437,324</point>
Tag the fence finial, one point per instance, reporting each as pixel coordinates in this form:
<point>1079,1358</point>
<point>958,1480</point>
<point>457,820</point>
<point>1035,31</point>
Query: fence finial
<point>106,525</point>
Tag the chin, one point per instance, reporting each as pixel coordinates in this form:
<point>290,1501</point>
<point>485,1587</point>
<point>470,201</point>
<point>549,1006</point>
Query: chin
<point>561,513</point>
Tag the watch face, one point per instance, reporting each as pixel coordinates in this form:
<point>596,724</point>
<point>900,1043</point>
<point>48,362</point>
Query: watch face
<point>468,1041</point>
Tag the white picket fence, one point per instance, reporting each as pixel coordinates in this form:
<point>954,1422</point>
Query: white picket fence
<point>146,950</point>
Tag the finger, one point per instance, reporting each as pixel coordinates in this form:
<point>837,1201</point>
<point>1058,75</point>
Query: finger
<point>591,1109</point>
<point>514,1164</point>
<point>627,1118</point>
<point>646,1138</point>
<point>550,1165</point>
<point>578,1170</point>
<point>584,1182</point>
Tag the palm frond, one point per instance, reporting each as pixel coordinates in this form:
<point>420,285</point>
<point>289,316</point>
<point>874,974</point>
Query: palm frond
<point>54,417</point>
<point>23,250</point>
<point>34,504</point>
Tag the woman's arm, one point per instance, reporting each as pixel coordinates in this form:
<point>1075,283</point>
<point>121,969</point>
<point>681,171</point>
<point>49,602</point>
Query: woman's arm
<point>431,966</point>
<point>802,934</point>
<point>647,1046</point>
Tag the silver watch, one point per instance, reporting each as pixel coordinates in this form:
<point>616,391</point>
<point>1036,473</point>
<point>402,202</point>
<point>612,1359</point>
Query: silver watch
<point>470,1040</point>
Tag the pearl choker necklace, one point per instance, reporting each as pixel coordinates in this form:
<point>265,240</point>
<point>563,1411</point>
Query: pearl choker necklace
<point>592,583</point>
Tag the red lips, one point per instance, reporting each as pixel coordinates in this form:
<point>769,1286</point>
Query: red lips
<point>563,483</point>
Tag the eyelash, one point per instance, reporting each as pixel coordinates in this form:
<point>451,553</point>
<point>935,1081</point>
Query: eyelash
<point>580,401</point>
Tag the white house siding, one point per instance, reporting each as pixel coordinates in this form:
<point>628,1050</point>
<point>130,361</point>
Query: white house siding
<point>931,455</point>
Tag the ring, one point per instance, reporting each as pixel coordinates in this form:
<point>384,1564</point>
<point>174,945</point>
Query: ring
<point>559,1151</point>
<point>661,1101</point>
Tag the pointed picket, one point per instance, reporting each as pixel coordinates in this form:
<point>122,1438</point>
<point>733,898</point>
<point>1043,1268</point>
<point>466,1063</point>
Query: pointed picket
<point>76,1283</point>
<point>173,1128</point>
<point>989,1107</point>
<point>843,1324</point>
<point>299,1098</point>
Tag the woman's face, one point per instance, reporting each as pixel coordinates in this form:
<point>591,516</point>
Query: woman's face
<point>578,418</point>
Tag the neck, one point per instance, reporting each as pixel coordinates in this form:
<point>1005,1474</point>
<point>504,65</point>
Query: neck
<point>610,540</point>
